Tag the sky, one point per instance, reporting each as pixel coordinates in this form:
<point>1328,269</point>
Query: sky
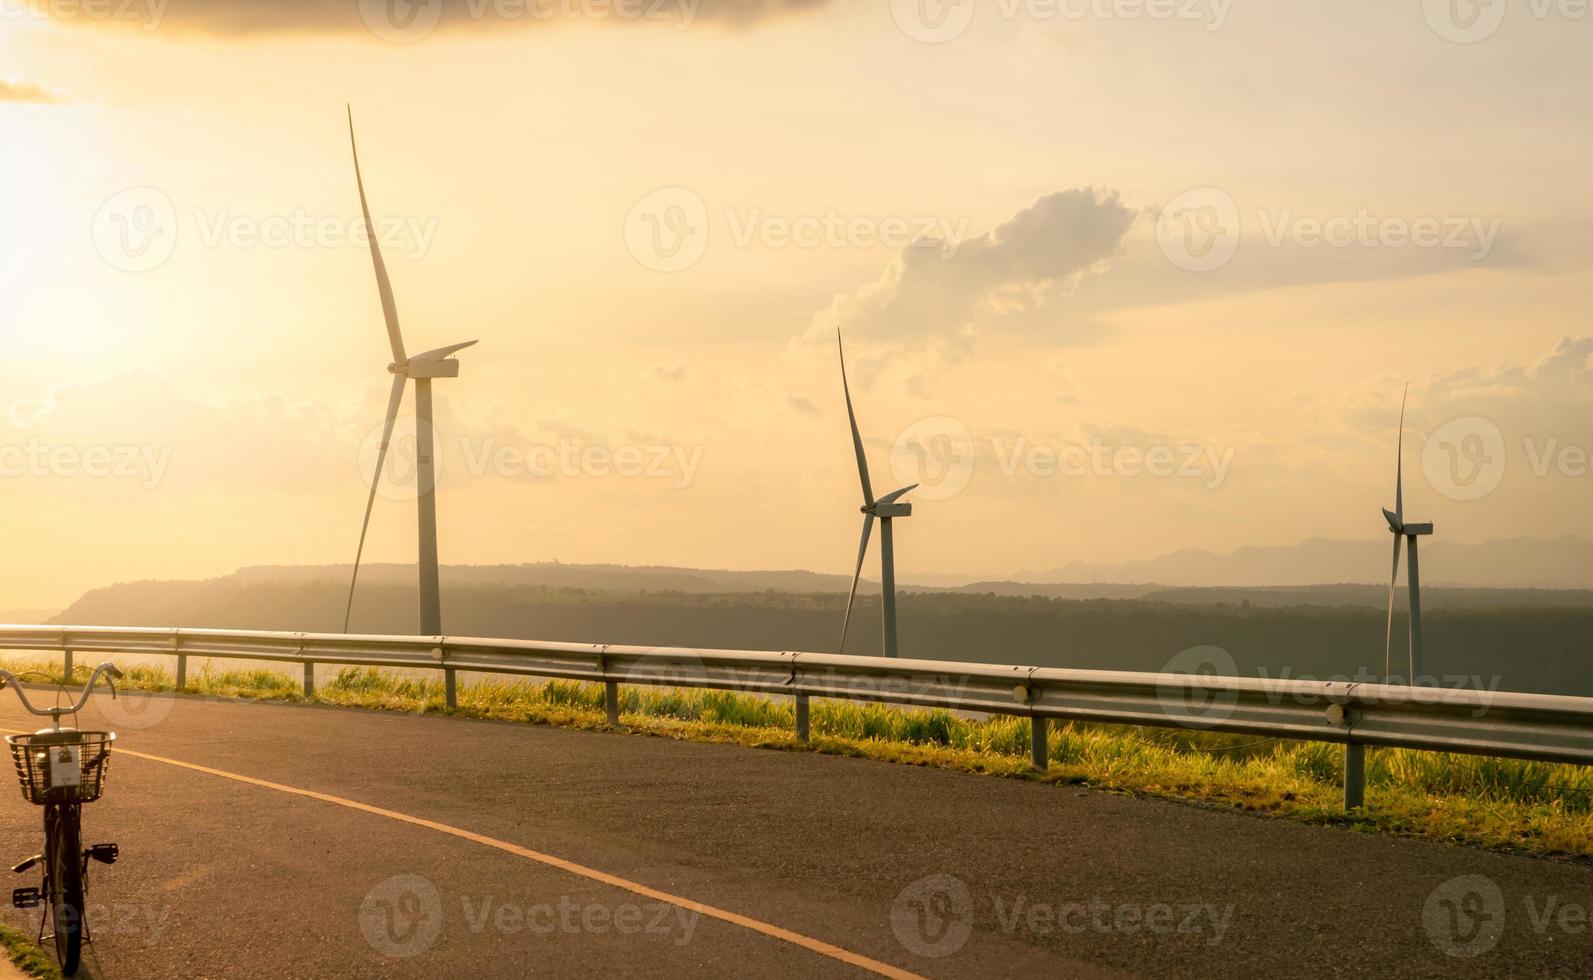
<point>1116,277</point>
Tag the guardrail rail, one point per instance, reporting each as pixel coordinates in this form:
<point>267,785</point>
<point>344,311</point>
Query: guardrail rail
<point>1542,727</point>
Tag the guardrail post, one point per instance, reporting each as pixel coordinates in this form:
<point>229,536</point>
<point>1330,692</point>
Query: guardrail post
<point>1038,747</point>
<point>803,725</point>
<point>309,680</point>
<point>450,688</point>
<point>1354,775</point>
<point>67,666</point>
<point>611,702</point>
<point>182,671</point>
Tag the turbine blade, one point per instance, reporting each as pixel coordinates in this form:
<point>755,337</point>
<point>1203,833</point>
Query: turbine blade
<point>894,495</point>
<point>383,284</point>
<point>1388,639</point>
<point>1399,463</point>
<point>862,552</point>
<point>857,437</point>
<point>443,353</point>
<point>393,401</point>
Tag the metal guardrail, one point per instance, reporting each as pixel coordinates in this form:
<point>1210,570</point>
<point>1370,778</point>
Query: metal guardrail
<point>1542,727</point>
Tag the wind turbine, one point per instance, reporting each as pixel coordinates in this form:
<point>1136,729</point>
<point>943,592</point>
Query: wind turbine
<point>1410,532</point>
<point>885,508</point>
<point>421,369</point>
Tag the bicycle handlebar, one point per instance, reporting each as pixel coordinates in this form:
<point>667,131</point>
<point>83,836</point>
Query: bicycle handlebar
<point>106,668</point>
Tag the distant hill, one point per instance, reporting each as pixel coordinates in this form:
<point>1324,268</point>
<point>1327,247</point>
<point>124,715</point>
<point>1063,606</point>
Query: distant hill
<point>1376,596</point>
<point>557,575</point>
<point>1516,563</point>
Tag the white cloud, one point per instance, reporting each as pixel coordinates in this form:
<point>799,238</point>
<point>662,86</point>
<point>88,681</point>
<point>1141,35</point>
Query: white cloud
<point>939,297</point>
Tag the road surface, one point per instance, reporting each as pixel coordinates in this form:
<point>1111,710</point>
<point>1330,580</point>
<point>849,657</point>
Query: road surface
<point>446,847</point>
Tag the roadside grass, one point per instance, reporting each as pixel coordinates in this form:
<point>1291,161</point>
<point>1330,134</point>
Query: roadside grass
<point>27,955</point>
<point>1502,804</point>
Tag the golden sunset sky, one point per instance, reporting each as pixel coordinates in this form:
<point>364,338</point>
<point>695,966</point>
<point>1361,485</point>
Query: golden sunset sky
<point>1217,234</point>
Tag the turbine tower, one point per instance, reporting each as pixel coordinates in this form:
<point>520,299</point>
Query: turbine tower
<point>885,508</point>
<point>1410,532</point>
<point>421,369</point>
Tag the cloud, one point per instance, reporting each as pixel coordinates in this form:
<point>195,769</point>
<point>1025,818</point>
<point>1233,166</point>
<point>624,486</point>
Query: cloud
<point>674,372</point>
<point>803,405</point>
<point>409,20</point>
<point>938,294</point>
<point>28,92</point>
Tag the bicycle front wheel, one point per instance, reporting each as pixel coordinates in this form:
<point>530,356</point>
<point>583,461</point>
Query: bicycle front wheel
<point>64,876</point>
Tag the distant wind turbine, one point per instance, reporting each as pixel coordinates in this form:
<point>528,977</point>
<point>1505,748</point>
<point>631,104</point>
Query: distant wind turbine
<point>421,368</point>
<point>885,508</point>
<point>1403,531</point>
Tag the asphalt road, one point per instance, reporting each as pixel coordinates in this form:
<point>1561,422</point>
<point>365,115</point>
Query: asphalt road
<point>934,873</point>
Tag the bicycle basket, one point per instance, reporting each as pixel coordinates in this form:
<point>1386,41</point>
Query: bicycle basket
<point>61,767</point>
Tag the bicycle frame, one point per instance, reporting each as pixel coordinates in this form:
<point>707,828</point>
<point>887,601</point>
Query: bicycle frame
<point>109,670</point>
<point>65,858</point>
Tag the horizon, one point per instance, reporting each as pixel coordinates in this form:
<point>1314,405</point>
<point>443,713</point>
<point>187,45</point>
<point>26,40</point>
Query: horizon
<point>384,573</point>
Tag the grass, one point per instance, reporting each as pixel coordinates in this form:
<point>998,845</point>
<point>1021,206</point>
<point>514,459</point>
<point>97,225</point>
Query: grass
<point>27,955</point>
<point>1501,804</point>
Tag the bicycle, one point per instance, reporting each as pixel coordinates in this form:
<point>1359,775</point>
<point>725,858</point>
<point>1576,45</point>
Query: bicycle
<point>61,769</point>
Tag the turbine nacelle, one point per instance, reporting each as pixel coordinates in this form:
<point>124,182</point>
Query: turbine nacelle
<point>438,363</point>
<point>887,505</point>
<point>888,510</point>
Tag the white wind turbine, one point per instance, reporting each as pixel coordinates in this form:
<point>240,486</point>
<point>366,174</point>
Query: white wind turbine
<point>885,508</point>
<point>1411,532</point>
<point>421,369</point>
